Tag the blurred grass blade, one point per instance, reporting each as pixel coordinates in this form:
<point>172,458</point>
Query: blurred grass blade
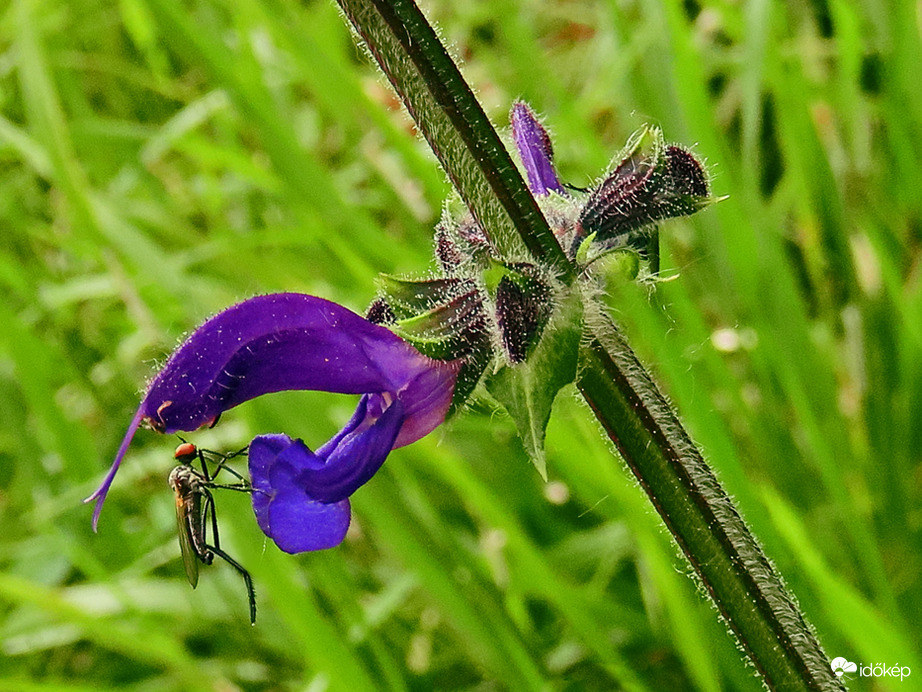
<point>873,637</point>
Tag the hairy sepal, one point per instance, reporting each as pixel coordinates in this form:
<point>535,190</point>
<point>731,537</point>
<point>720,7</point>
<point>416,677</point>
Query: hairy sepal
<point>527,390</point>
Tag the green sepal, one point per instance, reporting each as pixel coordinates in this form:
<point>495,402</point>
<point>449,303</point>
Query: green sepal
<point>411,297</point>
<point>527,390</point>
<point>620,264</point>
<point>448,331</point>
<point>472,369</point>
<point>646,144</point>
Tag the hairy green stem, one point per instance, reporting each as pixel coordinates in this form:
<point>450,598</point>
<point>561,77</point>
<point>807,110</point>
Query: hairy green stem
<point>701,517</point>
<point>448,114</point>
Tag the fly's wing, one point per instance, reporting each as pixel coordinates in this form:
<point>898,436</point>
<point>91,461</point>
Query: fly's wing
<point>189,556</point>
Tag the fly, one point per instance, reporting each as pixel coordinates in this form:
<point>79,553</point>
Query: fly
<point>194,507</point>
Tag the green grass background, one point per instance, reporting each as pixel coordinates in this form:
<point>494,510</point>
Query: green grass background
<point>161,159</point>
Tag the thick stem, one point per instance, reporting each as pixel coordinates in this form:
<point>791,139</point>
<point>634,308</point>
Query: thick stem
<point>701,517</point>
<point>448,114</point>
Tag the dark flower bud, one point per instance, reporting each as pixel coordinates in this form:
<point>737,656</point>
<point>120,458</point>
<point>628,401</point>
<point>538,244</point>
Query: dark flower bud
<point>474,241</point>
<point>447,252</point>
<point>652,183</point>
<point>461,246</point>
<point>471,232</point>
<point>523,308</point>
<point>379,312</point>
<point>687,173</point>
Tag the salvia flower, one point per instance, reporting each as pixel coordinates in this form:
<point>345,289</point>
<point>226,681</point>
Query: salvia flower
<point>291,341</point>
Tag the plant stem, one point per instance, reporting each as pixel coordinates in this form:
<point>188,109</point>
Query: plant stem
<point>682,487</point>
<point>450,117</point>
<point>700,516</point>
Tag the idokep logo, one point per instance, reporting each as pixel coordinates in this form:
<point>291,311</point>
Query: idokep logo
<point>841,666</point>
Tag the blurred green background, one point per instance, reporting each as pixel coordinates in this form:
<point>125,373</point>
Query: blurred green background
<point>161,159</point>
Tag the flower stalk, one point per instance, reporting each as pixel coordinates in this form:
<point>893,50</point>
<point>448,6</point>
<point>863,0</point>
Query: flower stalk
<point>682,487</point>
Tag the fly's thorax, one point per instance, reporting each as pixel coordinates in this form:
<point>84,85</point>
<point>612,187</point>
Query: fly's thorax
<point>184,480</point>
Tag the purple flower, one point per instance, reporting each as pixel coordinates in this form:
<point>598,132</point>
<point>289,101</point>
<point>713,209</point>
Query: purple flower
<point>289,341</point>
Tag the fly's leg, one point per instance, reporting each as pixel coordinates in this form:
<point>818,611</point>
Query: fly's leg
<point>207,554</point>
<point>247,579</point>
<point>215,549</point>
<point>220,465</point>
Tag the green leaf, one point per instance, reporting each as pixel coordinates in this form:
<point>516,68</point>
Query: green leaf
<point>527,390</point>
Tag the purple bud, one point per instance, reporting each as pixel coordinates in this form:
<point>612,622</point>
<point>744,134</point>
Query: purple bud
<point>535,150</point>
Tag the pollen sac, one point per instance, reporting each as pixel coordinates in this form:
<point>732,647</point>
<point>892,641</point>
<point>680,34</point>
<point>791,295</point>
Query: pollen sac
<point>523,307</point>
<point>652,182</point>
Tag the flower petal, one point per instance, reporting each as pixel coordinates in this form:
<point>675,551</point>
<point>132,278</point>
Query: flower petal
<point>283,511</point>
<point>274,343</point>
<point>426,400</point>
<point>289,341</point>
<point>535,150</point>
<point>355,459</point>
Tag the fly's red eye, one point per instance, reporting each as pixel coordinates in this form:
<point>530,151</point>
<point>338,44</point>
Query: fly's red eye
<point>185,452</point>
